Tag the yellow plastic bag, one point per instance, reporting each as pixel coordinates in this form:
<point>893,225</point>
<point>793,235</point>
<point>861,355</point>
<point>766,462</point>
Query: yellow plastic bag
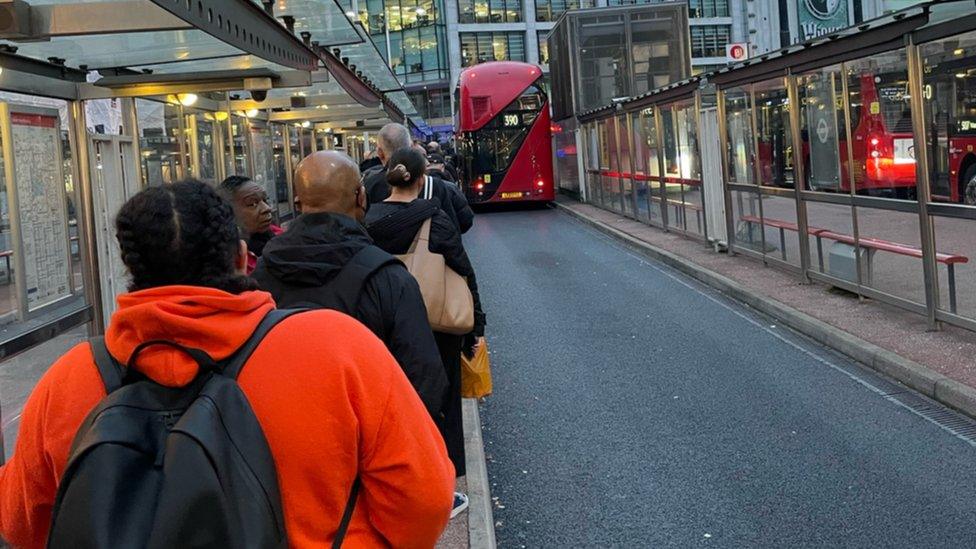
<point>476,374</point>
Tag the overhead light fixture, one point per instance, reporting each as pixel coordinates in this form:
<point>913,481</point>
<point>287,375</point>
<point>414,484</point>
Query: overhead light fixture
<point>187,99</point>
<point>959,52</point>
<point>220,116</point>
<point>421,11</point>
<point>306,124</point>
<point>251,113</point>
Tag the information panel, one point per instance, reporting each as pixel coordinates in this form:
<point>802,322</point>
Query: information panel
<point>39,184</point>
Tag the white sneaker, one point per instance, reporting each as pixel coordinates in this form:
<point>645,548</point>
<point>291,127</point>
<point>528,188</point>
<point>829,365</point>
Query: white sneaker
<point>460,504</point>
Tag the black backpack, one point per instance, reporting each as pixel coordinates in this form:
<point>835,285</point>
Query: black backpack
<point>154,466</point>
<point>343,292</point>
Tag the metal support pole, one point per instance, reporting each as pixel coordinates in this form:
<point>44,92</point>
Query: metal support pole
<point>723,139</point>
<point>288,167</point>
<point>757,172</point>
<point>181,139</point>
<point>793,96</point>
<point>923,191</point>
<point>616,151</point>
<point>698,163</point>
<point>194,145</point>
<point>87,237</point>
<point>851,183</point>
<point>130,127</point>
<point>633,166</point>
<point>662,185</point>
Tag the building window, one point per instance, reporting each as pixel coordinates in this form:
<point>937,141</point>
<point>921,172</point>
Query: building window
<point>489,11</point>
<point>479,47</point>
<point>432,104</point>
<point>543,48</point>
<point>550,10</point>
<point>630,2</point>
<point>702,69</point>
<point>709,41</point>
<point>708,8</point>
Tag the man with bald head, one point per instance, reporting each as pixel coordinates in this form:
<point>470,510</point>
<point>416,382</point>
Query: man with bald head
<point>327,260</point>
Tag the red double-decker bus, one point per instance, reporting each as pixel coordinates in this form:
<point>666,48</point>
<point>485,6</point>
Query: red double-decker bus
<point>504,134</point>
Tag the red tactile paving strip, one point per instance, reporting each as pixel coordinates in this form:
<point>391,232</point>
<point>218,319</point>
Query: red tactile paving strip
<point>950,352</point>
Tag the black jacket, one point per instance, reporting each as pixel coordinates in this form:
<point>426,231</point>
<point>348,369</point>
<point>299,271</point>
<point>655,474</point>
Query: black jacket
<point>393,226</point>
<point>312,252</point>
<point>447,195</point>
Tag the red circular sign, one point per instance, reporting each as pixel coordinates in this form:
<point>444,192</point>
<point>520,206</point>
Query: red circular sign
<point>737,51</point>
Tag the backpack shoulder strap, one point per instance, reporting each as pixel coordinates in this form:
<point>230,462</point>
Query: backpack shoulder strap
<point>234,364</point>
<point>347,286</point>
<point>346,515</point>
<point>108,367</point>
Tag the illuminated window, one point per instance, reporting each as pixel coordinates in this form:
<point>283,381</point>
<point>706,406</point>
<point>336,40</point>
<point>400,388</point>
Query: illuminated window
<point>543,48</point>
<point>708,8</point>
<point>480,47</point>
<point>489,11</point>
<point>550,10</point>
<point>710,40</point>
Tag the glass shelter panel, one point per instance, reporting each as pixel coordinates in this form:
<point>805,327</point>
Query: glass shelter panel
<point>884,269</point>
<point>602,60</point>
<point>683,189</point>
<point>639,161</point>
<point>650,152</point>
<point>822,129</point>
<point>625,167</point>
<point>881,126</point>
<point>773,137</point>
<point>738,130</point>
<point>949,73</point>
<point>159,142</point>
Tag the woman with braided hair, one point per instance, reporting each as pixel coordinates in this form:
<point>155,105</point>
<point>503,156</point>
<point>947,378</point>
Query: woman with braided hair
<point>331,401</point>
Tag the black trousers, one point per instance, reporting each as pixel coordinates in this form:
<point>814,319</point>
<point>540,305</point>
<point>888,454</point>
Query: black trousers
<point>451,425</point>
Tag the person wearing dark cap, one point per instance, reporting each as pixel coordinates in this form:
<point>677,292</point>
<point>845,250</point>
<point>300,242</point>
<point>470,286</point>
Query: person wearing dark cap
<point>438,167</point>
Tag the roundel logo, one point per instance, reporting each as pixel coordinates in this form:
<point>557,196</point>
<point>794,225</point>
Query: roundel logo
<point>736,51</point>
<point>823,9</point>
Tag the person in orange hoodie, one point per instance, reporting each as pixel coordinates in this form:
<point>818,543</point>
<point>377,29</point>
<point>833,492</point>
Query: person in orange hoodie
<point>331,400</point>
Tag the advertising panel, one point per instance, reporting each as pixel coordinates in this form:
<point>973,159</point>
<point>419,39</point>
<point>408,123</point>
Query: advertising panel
<point>820,17</point>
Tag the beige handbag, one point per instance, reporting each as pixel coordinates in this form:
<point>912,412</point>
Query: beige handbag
<point>450,306</point>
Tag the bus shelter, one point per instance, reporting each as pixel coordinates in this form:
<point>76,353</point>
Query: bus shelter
<point>101,99</point>
<point>849,159</point>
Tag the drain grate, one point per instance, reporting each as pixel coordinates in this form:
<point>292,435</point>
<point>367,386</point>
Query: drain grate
<point>949,420</point>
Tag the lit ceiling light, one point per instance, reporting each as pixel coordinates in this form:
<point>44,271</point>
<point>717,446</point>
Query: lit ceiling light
<point>959,52</point>
<point>220,116</point>
<point>960,75</point>
<point>306,124</point>
<point>187,99</point>
<point>251,113</point>
<point>421,11</point>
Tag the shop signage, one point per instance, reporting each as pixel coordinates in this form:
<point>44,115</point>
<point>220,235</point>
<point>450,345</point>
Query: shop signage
<point>820,17</point>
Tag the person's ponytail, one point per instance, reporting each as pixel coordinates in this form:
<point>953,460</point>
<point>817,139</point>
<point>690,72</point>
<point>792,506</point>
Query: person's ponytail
<point>408,166</point>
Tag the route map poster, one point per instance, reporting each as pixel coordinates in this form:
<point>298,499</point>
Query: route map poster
<point>41,207</point>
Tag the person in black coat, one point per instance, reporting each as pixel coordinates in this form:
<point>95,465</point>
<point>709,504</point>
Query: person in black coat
<point>301,267</point>
<point>394,224</point>
<point>448,196</point>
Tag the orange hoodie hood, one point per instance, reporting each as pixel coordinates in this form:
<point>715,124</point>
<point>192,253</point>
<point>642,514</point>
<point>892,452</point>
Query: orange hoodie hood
<point>205,318</point>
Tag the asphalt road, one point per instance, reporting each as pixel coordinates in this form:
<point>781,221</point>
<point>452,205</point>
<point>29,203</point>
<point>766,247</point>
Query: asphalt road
<point>634,408</point>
